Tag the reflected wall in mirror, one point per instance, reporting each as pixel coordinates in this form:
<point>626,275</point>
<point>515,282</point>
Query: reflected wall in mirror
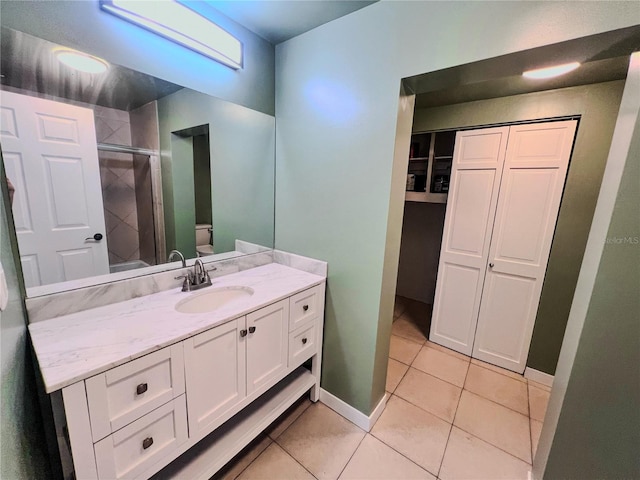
<point>112,171</point>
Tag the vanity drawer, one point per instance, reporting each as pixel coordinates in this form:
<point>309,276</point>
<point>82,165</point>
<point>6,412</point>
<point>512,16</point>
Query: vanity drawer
<point>304,307</point>
<point>132,450</point>
<point>302,344</point>
<point>125,393</point>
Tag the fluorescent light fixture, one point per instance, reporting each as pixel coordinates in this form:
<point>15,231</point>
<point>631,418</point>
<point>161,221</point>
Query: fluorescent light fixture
<point>177,22</point>
<point>81,61</point>
<point>549,72</point>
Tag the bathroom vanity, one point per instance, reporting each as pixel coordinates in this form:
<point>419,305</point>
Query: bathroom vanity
<point>140,388</point>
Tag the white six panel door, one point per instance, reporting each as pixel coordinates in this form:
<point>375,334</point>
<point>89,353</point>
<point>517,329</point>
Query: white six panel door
<point>51,157</point>
<point>475,177</point>
<point>535,168</point>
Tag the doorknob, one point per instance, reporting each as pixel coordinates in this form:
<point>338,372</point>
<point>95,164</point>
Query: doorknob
<point>97,237</point>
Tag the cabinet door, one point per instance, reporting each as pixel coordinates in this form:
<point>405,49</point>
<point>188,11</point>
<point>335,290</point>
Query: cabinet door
<point>476,172</point>
<point>215,374</point>
<point>534,172</point>
<point>267,345</point>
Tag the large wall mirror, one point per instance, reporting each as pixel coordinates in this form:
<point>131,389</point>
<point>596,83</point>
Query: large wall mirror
<point>112,171</point>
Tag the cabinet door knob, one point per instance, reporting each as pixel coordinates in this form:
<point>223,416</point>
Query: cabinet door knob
<point>140,389</point>
<point>491,265</point>
<point>243,333</point>
<point>252,329</point>
<point>305,307</point>
<point>304,340</point>
<point>147,442</point>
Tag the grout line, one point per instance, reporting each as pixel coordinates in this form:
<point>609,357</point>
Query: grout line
<point>354,452</point>
<point>424,409</point>
<point>496,403</point>
<point>271,442</point>
<point>294,459</point>
<point>524,380</point>
<point>452,421</point>
<point>295,420</point>
<point>402,454</point>
<point>401,378</point>
<point>489,443</point>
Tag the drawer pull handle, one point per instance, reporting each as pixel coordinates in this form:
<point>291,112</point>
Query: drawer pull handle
<point>305,307</point>
<point>252,329</point>
<point>304,340</point>
<point>243,333</point>
<point>140,389</point>
<point>147,442</point>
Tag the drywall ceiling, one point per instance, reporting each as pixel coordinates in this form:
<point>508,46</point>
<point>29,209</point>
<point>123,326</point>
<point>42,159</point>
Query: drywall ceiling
<point>29,63</point>
<point>280,20</point>
<point>604,57</point>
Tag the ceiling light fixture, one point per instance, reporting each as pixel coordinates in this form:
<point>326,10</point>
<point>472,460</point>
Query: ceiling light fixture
<point>549,72</point>
<point>81,61</point>
<point>177,22</point>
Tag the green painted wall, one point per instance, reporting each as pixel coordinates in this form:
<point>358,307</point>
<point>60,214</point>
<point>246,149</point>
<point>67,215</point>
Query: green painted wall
<point>82,25</point>
<point>202,178</point>
<point>600,438</point>
<point>337,89</point>
<point>23,450</point>
<point>598,106</point>
<point>242,153</point>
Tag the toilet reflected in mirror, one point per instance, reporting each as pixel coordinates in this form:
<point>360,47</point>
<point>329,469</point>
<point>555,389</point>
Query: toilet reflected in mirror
<point>204,237</point>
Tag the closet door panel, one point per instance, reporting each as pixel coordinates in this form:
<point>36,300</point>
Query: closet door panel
<point>507,302</point>
<point>535,168</point>
<point>475,177</point>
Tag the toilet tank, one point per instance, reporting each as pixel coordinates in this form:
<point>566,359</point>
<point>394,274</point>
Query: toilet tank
<point>203,234</point>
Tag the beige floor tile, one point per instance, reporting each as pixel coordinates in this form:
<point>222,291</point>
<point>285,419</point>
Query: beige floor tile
<point>400,306</point>
<point>468,457</point>
<point>288,417</point>
<point>416,434</point>
<point>241,461</point>
<point>395,372</point>
<point>536,429</point>
<point>405,327</point>
<point>429,393</point>
<point>403,350</point>
<point>273,463</point>
<point>376,461</point>
<point>322,441</point>
<point>500,370</point>
<point>446,350</point>
<point>445,367</point>
<point>546,388</point>
<point>493,423</point>
<point>501,389</point>
<point>538,400</point>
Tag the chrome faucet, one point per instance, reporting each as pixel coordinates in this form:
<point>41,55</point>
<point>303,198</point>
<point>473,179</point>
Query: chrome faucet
<point>197,278</point>
<point>173,253</point>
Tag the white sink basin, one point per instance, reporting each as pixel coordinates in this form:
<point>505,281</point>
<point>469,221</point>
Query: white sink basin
<point>212,299</point>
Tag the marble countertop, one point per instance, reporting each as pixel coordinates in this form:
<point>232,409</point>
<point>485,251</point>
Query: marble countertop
<point>77,346</point>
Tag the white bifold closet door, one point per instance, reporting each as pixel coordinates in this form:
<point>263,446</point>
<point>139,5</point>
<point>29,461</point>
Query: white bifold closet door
<point>475,177</point>
<point>520,230</point>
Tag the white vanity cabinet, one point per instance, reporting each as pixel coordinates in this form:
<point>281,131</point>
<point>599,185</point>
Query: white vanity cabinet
<point>238,359</point>
<point>210,393</point>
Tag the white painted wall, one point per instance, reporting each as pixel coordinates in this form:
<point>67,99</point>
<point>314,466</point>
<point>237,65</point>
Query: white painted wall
<point>337,90</point>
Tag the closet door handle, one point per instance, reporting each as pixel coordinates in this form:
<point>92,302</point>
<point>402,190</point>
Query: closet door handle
<point>491,265</point>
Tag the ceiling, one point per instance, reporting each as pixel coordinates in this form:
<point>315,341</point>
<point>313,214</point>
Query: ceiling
<point>604,58</point>
<point>29,63</point>
<point>280,20</point>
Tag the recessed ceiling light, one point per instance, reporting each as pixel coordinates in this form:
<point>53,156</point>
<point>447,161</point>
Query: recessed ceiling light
<point>549,72</point>
<point>82,61</point>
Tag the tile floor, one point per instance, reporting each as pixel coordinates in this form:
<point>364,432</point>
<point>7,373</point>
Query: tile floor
<point>447,417</point>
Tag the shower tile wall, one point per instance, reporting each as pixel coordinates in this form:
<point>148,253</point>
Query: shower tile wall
<point>118,186</point>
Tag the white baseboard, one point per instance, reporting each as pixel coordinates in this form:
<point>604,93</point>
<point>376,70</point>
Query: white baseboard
<point>352,414</point>
<point>538,376</point>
